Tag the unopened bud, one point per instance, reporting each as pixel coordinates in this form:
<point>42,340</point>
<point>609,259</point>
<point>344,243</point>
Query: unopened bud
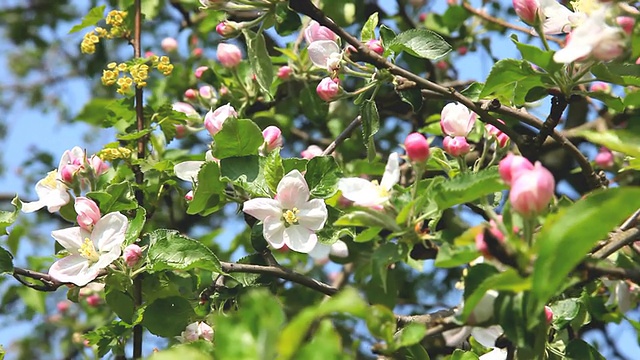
<point>417,147</point>
<point>132,255</point>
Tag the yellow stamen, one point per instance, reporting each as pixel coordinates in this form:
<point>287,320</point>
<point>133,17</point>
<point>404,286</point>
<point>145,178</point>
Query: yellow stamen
<point>51,181</point>
<point>585,6</point>
<point>291,216</point>
<point>88,251</point>
<point>382,192</point>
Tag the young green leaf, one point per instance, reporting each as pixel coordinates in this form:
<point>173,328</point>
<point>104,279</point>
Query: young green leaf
<point>422,43</point>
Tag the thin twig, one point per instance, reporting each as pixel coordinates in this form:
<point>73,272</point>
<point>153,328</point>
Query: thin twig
<point>631,220</point>
<point>48,283</point>
<point>558,105</point>
<point>343,136</point>
<point>617,241</point>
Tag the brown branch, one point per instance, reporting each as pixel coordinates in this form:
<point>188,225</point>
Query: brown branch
<point>343,136</point>
<point>617,241</point>
<point>558,105</point>
<point>483,15</point>
<point>48,283</point>
<point>595,271</point>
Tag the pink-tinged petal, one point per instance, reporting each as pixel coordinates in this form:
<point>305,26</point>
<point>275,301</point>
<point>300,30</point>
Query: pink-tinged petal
<point>320,251</point>
<point>300,239</point>
<point>313,214</point>
<point>261,208</point>
<point>73,269</point>
<point>70,238</point>
<point>74,156</point>
<point>391,174</point>
<point>292,191</point>
<point>273,231</point>
<point>361,191</point>
<point>320,51</point>
<point>109,232</point>
<point>487,336</point>
<point>188,170</point>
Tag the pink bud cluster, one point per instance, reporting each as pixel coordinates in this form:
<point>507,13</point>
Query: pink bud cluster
<point>328,89</point>
<point>74,164</point>
<point>532,186</point>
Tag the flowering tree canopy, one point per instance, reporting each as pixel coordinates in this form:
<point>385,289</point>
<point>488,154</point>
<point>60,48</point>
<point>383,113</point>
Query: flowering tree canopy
<point>315,179</point>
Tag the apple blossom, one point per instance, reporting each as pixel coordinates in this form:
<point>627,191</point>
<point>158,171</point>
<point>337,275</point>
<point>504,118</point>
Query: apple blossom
<point>376,46</point>
<point>195,331</point>
<point>626,23</point>
<point>325,54</point>
<point>185,109</point>
<point>71,162</point>
<point>169,44</point>
<point>315,32</point>
<point>52,193</point>
<point>98,166</point>
<point>88,212</point>
<point>229,55</point>
<point>328,89</point>
<point>94,300</point>
<point>206,92</point>
<point>511,166</point>
<point>417,147</point>
<point>199,71</point>
<point>456,146</point>
<point>604,158</point>
<point>188,170</point>
<point>272,138</point>
<point>619,294</point>
<point>501,138</point>
<point>370,193</point>
<point>190,94</point>
<point>189,195</point>
<point>284,72</point>
<point>457,120</point>
<point>548,314</point>
<point>197,52</point>
<point>311,152</point>
<point>290,218</point>
<point>337,249</point>
<point>89,252</point>
<point>63,306</point>
<point>532,190</point>
<point>132,255</point>
<point>227,28</point>
<point>214,119</point>
<point>600,86</point>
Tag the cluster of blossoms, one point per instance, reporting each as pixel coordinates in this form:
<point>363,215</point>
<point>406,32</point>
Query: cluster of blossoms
<point>532,186</point>
<point>117,28</point>
<point>138,72</point>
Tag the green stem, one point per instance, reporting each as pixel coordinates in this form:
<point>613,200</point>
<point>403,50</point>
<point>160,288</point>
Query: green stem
<point>539,29</point>
<point>480,161</point>
<point>528,226</point>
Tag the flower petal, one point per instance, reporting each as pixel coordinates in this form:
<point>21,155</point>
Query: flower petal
<point>495,354</point>
<point>321,50</point>
<point>70,238</point>
<point>106,258</point>
<point>320,251</point>
<point>292,191</point>
<point>313,214</point>
<point>487,336</point>
<point>261,208</point>
<point>109,232</point>
<point>32,206</point>
<point>188,170</point>
<point>391,172</point>
<point>361,191</point>
<point>273,231</point>
<point>73,269</point>
<point>300,239</point>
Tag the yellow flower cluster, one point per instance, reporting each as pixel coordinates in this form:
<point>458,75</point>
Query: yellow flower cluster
<point>115,18</point>
<point>164,66</point>
<point>114,153</point>
<point>88,45</point>
<point>140,73</point>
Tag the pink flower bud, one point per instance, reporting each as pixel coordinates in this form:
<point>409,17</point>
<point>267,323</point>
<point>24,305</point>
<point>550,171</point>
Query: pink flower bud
<point>199,71</point>
<point>169,44</point>
<point>417,147</point>
<point>227,28</point>
<point>422,17</point>
<point>532,190</point>
<point>511,166</point>
<point>132,255</point>
<point>328,89</point>
<point>149,54</point>
<point>456,146</point>
<point>442,65</point>
<point>315,32</point>
<point>626,23</point>
<point>375,46</point>
<point>599,86</point>
<point>311,152</point>
<point>88,212</point>
<point>284,72</point>
<point>206,92</point>
<point>181,131</point>
<point>527,10</point>
<point>548,314</point>
<point>197,52</point>
<point>189,196</point>
<point>229,55</point>
<point>501,138</point>
<point>457,120</point>
<point>272,138</point>
<point>94,300</point>
<point>481,244</point>
<point>190,94</point>
<point>224,91</point>
<point>68,173</point>
<point>184,108</point>
<point>98,166</point>
<point>462,50</point>
<point>214,120</point>
<point>206,332</point>
<point>63,306</point>
<point>604,158</point>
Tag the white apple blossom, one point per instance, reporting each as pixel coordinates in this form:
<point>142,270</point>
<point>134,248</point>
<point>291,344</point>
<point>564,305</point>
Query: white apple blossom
<point>188,170</point>
<point>557,19</point>
<point>457,120</point>
<point>325,54</point>
<point>52,193</point>
<point>290,218</point>
<point>89,252</point>
<point>195,331</point>
<point>369,193</point>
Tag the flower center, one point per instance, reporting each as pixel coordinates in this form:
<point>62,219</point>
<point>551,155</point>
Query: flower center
<point>88,251</point>
<point>51,181</point>
<point>585,6</point>
<point>291,216</point>
<point>382,192</point>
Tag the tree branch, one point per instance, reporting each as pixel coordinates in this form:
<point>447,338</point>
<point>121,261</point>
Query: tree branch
<point>343,136</point>
<point>617,241</point>
<point>49,284</point>
<point>558,104</point>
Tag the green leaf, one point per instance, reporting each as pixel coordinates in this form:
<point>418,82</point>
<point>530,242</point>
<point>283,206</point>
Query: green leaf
<point>453,256</point>
<point>370,126</point>
<point>151,8</point>
<point>7,218</point>
<point>384,256</point>
<point>422,43</point>
<point>273,170</point>
<point>417,352</point>
<point>135,135</point>
<point>169,250</point>
<point>624,141</point>
<point>136,225</point>
<point>621,74</point>
<point>287,21</point>
<point>206,197</point>
<point>578,349</point>
<point>412,96</point>
<point>510,80</point>
<point>463,355</point>
<point>612,102</point>
<point>535,55</point>
<point>410,335</point>
<point>508,280</point>
<point>473,91</point>
<point>168,316</point>
<point>238,137</point>
<point>386,34</point>
<point>116,197</point>
<point>122,304</point>
<point>260,63</point>
<point>381,322</point>
<point>589,220</point>
<point>6,262</point>
<point>93,17</point>
<point>564,311</point>
<point>368,218</point>
<point>467,187</point>
<point>368,30</point>
<point>183,351</point>
<point>322,176</point>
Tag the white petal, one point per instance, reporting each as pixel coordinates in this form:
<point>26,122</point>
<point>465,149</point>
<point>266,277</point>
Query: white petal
<point>70,238</point>
<point>188,170</point>
<point>320,251</point>
<point>455,337</point>
<point>32,206</point>
<point>292,191</point>
<point>321,50</point>
<point>109,232</point>
<point>313,214</point>
<point>487,336</point>
<point>557,17</point>
<point>391,172</point>
<point>273,231</point>
<point>106,258</point>
<point>624,296</point>
<point>339,249</point>
<point>73,269</point>
<point>361,191</point>
<point>495,354</point>
<point>300,239</point>
<point>261,208</point>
